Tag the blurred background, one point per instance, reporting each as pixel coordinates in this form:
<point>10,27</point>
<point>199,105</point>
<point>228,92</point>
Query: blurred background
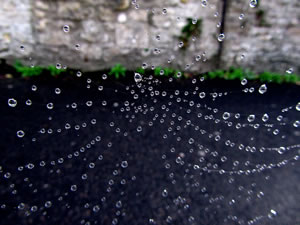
<point>95,34</point>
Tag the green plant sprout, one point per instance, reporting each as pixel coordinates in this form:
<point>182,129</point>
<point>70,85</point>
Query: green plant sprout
<point>118,70</point>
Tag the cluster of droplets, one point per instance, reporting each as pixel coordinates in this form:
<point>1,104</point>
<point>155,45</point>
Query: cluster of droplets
<point>197,140</point>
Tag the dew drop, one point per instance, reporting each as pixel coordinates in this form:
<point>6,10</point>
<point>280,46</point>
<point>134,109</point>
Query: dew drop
<point>124,164</point>
<point>226,115</point>
<point>57,91</point>
<point>253,3</point>
<point>204,3</point>
<point>77,46</point>
<point>137,77</point>
<point>78,74</point>
<point>33,88</point>
<point>48,204</point>
<point>262,89</point>
<point>28,102</point>
<point>164,193</point>
<point>265,117</point>
<point>251,118</point>
<point>20,133</point>
<point>244,81</point>
<point>290,71</point>
<point>298,106</point>
<point>66,28</point>
<point>296,123</point>
<point>202,94</point>
<point>74,187</point>
<point>119,204</point>
<point>221,37</point>
<point>12,102</point>
<point>58,66</point>
<point>50,105</point>
<point>272,214</point>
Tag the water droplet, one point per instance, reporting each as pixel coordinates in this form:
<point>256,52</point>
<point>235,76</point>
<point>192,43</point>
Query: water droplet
<point>21,206</point>
<point>74,187</point>
<point>164,193</point>
<point>226,115</point>
<point>272,214</point>
<point>164,11</point>
<point>244,81</point>
<point>77,46</point>
<point>194,21</point>
<point>144,65</point>
<point>204,3</point>
<point>48,204</point>
<point>197,58</point>
<point>119,204</point>
<point>202,94</point>
<point>262,89</point>
<point>253,3</point>
<point>66,28</point>
<point>298,106</point>
<point>28,102</point>
<point>221,37</point>
<point>137,77</point>
<point>296,123</point>
<point>96,208</point>
<point>57,91</point>
<point>191,141</point>
<point>33,88</point>
<point>290,70</point>
<point>139,129</point>
<point>265,117</point>
<point>50,105</point>
<point>241,16</point>
<point>12,102</point>
<point>124,164</point>
<point>251,118</point>
<point>20,133</point>
<point>78,74</point>
<point>180,44</point>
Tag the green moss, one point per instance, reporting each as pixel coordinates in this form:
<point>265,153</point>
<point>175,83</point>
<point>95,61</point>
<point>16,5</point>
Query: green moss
<point>30,71</point>
<point>159,71</point>
<point>54,71</point>
<point>117,70</point>
<point>140,70</point>
<point>239,74</point>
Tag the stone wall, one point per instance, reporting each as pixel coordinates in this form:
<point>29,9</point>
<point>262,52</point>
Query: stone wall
<point>269,42</point>
<point>102,33</point>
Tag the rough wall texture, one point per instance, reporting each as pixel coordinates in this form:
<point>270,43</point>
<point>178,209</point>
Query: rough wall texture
<point>266,38</point>
<point>102,33</point>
